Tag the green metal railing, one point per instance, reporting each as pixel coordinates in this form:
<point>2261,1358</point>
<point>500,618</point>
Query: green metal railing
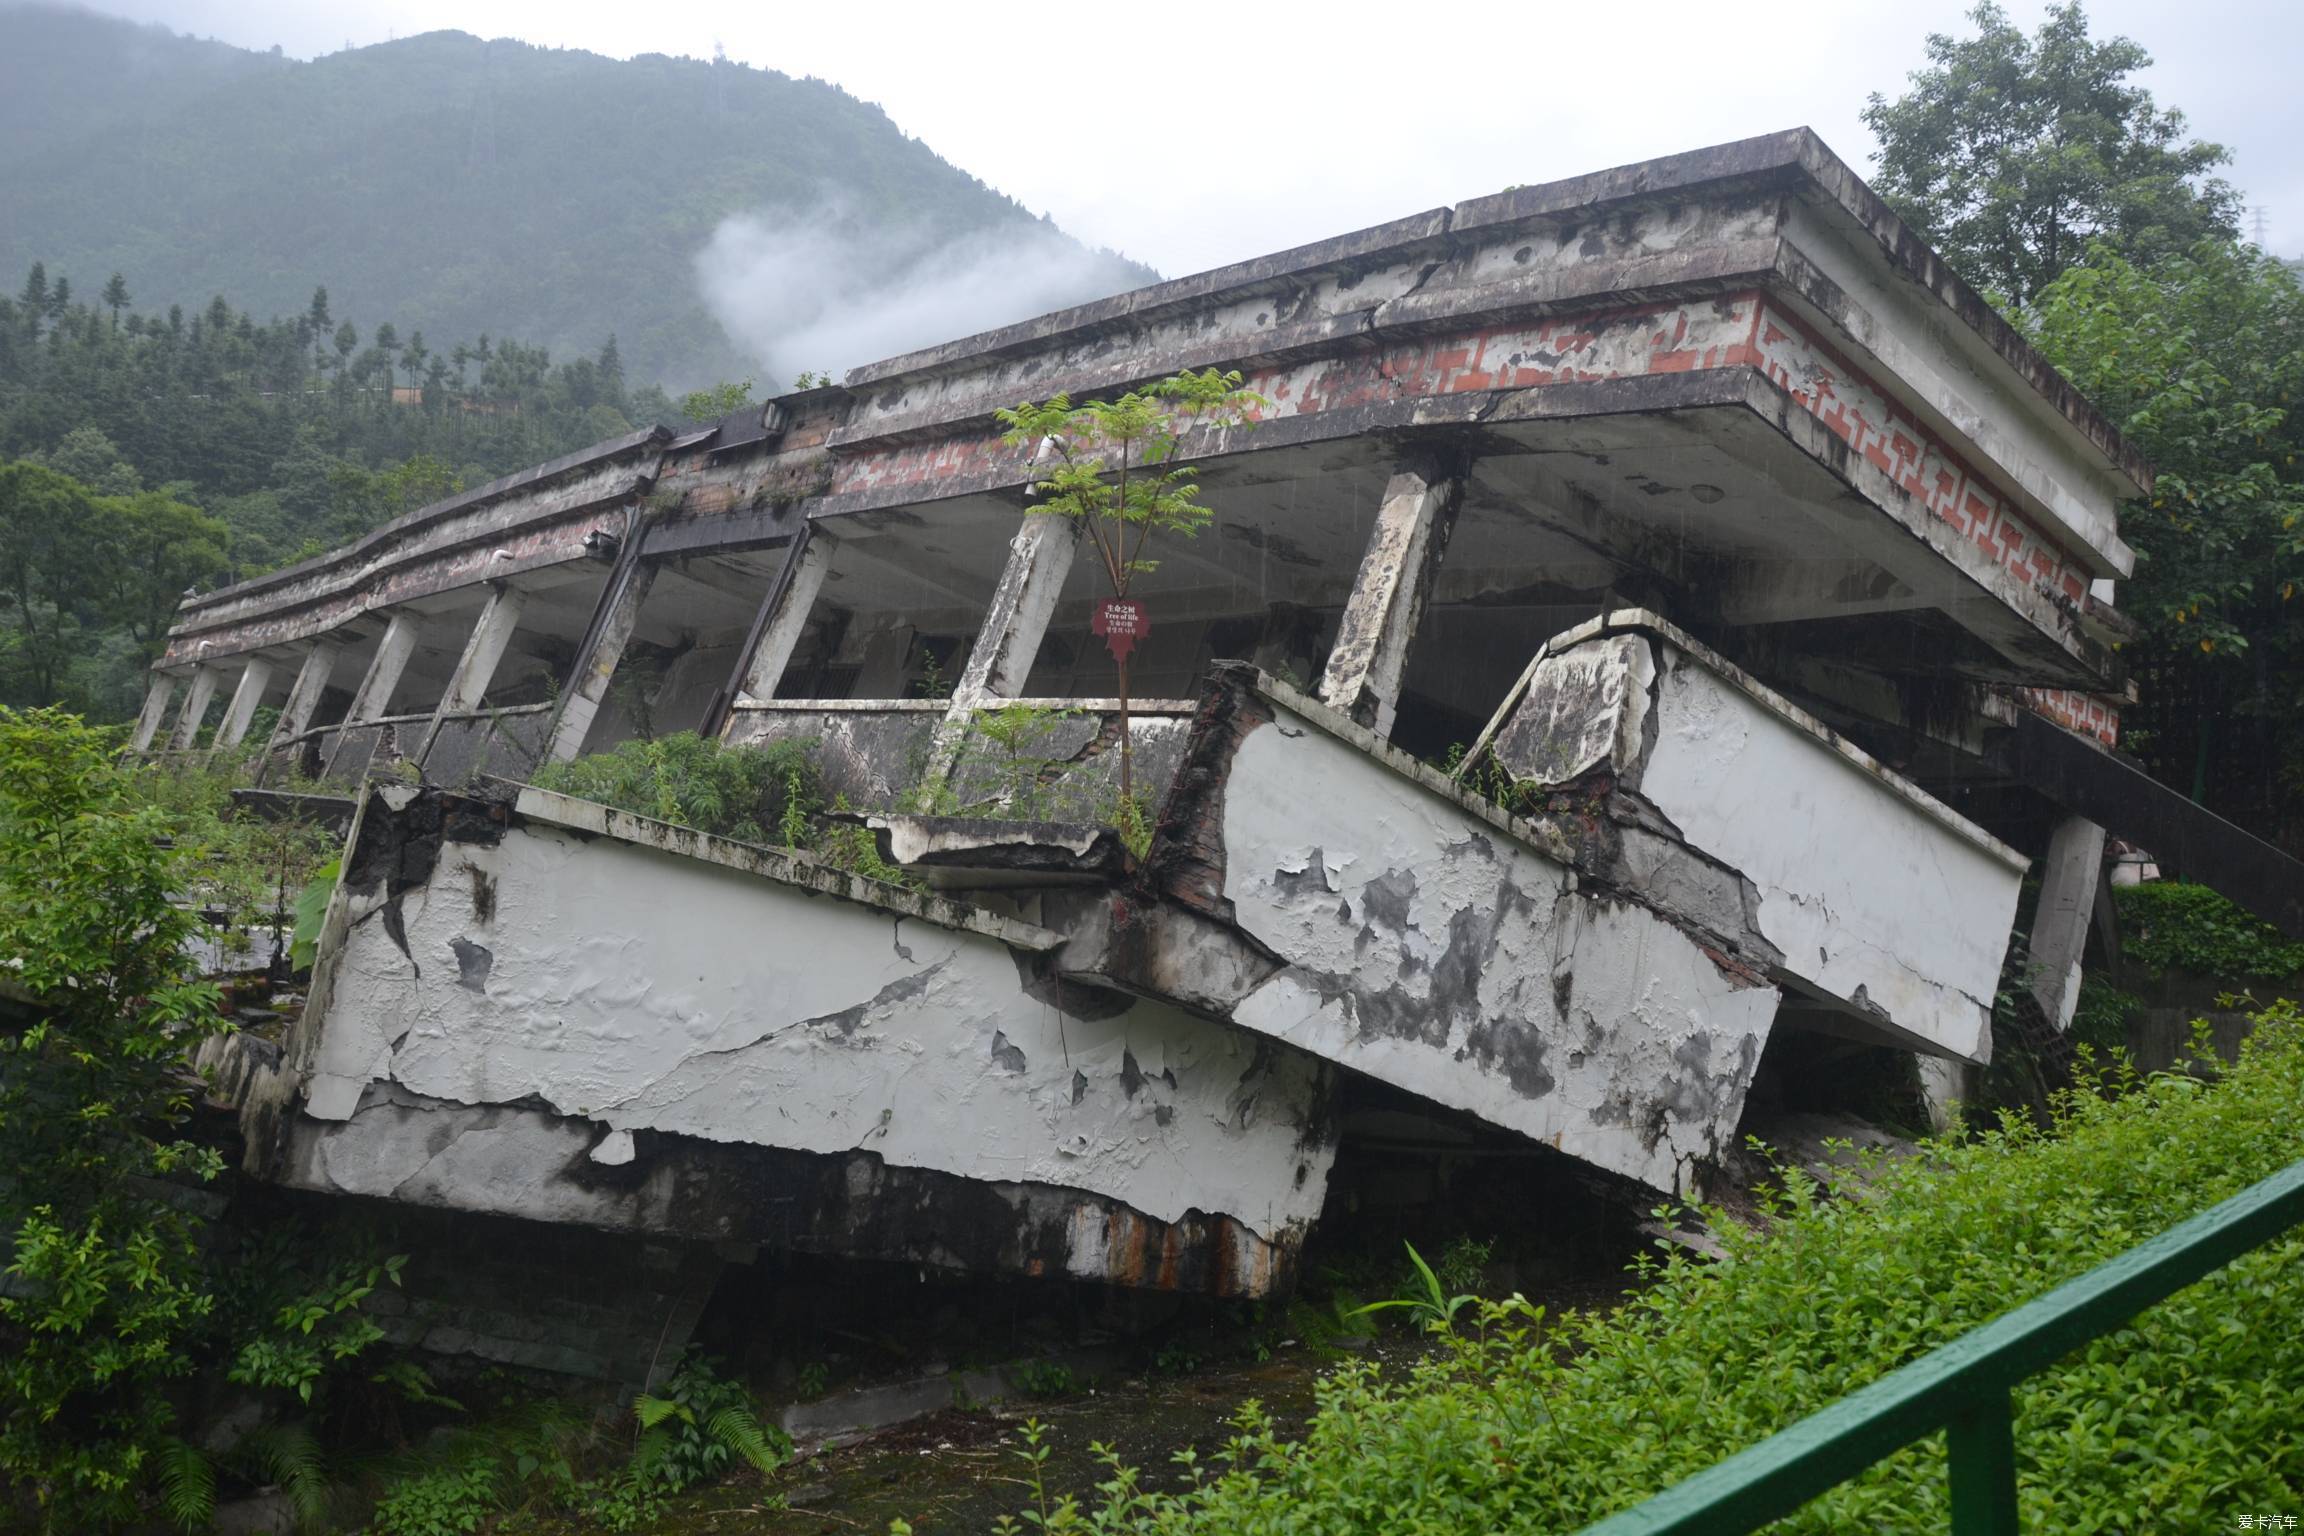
<point>1963,1388</point>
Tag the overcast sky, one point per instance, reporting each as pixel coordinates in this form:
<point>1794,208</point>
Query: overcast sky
<point>1290,124</point>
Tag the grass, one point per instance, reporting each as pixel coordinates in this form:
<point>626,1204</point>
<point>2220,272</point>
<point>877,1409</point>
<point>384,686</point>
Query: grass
<point>1530,1423</point>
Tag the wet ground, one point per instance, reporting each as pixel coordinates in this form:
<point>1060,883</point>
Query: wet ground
<point>959,1472</point>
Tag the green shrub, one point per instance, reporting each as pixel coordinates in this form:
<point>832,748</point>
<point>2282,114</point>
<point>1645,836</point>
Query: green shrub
<point>691,781</point>
<point>699,1427</point>
<point>1541,1424</point>
<point>105,1289</point>
<point>2166,925</point>
<point>245,867</point>
<point>1045,1378</point>
<point>446,1501</point>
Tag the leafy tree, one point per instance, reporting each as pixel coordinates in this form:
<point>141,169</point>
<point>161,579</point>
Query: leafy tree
<point>105,1284</point>
<point>93,459</point>
<point>2200,359</point>
<point>2011,154</point>
<point>718,401</point>
<point>1114,470</point>
<point>159,547</point>
<point>49,567</point>
<point>116,297</point>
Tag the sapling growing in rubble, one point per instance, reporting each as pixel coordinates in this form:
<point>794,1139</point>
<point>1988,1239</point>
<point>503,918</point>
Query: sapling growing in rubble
<point>1112,464</point>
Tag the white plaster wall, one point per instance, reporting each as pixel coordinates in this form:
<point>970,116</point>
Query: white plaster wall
<point>1428,948</point>
<point>1870,898</point>
<point>638,989</point>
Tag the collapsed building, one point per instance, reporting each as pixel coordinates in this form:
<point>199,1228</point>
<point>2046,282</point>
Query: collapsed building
<point>1696,496</point>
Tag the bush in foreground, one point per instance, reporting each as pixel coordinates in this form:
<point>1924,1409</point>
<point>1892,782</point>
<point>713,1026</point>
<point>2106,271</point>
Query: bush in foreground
<point>2180,1421</point>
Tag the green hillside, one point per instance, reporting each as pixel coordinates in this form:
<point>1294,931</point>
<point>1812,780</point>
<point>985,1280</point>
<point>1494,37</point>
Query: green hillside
<point>465,186</point>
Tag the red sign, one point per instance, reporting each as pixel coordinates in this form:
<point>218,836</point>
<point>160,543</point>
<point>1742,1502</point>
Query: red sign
<point>1122,622</point>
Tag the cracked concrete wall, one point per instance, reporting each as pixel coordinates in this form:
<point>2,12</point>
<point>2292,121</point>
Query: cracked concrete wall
<point>568,998</point>
<point>1426,946</point>
<point>1877,896</point>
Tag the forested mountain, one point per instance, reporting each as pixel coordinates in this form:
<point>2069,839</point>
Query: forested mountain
<point>156,451</point>
<point>461,185</point>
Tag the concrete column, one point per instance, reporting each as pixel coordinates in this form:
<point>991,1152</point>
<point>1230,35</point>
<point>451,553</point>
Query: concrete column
<point>611,632</point>
<point>1039,558</point>
<point>2068,879</point>
<point>255,679</point>
<point>1380,618</point>
<point>196,697</point>
<point>304,694</point>
<point>765,669</point>
<point>384,670</point>
<point>382,678</point>
<point>159,693</point>
<point>483,649</point>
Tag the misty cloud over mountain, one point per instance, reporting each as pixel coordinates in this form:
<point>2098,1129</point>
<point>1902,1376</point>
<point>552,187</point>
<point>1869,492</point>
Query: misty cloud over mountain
<point>822,290</point>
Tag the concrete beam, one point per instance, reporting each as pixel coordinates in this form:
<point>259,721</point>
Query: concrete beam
<point>1785,591</point>
<point>483,649</point>
<point>196,697</point>
<point>596,665</point>
<point>2068,881</point>
<point>159,693</point>
<point>255,682</point>
<point>1404,552</point>
<point>304,693</point>
<point>788,615</point>
<point>1008,641</point>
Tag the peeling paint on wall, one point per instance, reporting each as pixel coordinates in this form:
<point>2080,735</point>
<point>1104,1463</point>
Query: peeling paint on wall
<point>1875,895</point>
<point>1428,948</point>
<point>607,989</point>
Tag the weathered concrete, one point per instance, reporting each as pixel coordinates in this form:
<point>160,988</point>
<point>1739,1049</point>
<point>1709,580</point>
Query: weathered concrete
<point>1727,385</point>
<point>596,666</point>
<point>1039,558</point>
<point>532,520</point>
<point>2060,918</point>
<point>255,679</point>
<point>793,603</point>
<point>1315,886</point>
<point>304,694</point>
<point>373,697</point>
<point>159,693</point>
<point>1877,897</point>
<point>700,992</point>
<point>1371,651</point>
<point>483,650</point>
<point>197,695</point>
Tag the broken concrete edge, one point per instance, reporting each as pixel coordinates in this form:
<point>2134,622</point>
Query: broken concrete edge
<point>1796,158</point>
<point>1642,621</point>
<point>680,1187</point>
<point>268,1087</point>
<point>592,818</point>
<point>1183,868</point>
<point>400,527</point>
<point>1011,845</point>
